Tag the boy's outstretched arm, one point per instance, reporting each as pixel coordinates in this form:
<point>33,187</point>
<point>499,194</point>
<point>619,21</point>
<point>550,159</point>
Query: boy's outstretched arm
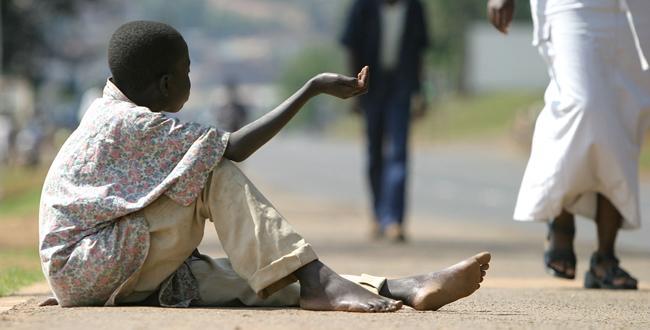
<point>245,141</point>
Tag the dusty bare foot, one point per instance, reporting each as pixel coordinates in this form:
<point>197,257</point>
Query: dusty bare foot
<point>434,290</point>
<point>322,289</point>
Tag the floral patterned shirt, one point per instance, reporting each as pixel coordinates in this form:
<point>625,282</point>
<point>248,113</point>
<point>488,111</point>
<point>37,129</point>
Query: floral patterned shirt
<point>121,158</point>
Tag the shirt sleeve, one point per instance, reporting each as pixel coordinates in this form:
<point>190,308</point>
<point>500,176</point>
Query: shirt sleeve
<point>193,149</point>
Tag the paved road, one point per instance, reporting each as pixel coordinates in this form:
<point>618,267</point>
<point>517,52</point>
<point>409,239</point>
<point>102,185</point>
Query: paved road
<point>476,184</point>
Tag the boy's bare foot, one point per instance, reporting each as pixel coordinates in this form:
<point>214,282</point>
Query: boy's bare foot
<point>322,289</point>
<point>434,290</point>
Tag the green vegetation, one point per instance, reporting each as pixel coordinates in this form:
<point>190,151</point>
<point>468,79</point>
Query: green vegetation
<point>21,205</point>
<point>644,161</point>
<point>20,191</point>
<point>474,116</point>
<point>461,117</point>
<point>18,268</point>
<point>19,261</point>
<point>448,23</point>
<point>312,60</point>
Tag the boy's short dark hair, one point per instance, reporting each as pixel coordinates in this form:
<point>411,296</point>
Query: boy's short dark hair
<point>140,52</point>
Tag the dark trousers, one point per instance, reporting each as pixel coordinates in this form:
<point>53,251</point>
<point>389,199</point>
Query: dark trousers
<point>387,118</point>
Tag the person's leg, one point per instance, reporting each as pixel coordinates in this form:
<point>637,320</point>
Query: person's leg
<point>577,134</point>
<point>174,232</point>
<point>265,251</point>
<point>395,163</point>
<point>220,286</point>
<point>374,121</point>
<point>560,257</point>
<point>608,222</point>
<point>604,264</point>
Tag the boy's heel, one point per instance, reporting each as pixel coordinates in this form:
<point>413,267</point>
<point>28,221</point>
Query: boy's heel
<point>591,282</point>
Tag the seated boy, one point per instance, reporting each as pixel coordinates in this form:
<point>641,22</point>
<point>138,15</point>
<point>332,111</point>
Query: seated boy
<point>124,204</point>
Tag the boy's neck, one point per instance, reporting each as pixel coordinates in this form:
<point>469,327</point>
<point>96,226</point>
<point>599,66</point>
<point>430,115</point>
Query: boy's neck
<point>147,98</point>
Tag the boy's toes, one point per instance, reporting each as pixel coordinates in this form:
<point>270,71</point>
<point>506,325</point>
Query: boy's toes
<point>388,305</point>
<point>378,306</point>
<point>485,267</point>
<point>483,257</point>
<point>372,307</point>
<point>367,307</point>
<point>395,305</point>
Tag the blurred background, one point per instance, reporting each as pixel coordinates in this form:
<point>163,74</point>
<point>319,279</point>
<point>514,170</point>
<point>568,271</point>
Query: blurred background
<point>483,90</point>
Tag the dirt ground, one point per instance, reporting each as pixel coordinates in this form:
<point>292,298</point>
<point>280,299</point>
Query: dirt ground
<point>19,232</point>
<point>516,294</point>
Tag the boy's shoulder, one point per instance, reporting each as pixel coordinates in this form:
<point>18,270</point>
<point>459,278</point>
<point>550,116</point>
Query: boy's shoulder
<point>109,110</point>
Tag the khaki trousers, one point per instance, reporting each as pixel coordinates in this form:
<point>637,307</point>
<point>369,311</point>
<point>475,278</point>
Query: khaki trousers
<point>263,249</point>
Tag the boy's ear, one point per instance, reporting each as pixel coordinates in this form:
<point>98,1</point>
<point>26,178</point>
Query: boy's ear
<point>163,85</point>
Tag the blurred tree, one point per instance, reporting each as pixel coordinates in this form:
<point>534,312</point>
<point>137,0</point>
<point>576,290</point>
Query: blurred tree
<point>313,59</point>
<point>448,22</point>
<point>213,20</point>
<point>25,34</point>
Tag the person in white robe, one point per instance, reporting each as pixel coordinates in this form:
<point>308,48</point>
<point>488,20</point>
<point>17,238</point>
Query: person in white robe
<point>587,140</point>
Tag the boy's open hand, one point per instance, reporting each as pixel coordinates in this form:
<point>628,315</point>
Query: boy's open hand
<point>341,86</point>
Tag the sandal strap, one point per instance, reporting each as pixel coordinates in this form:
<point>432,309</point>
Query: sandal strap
<point>619,272</point>
<point>613,271</point>
<point>597,258</point>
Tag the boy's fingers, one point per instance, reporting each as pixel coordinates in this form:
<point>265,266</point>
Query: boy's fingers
<point>362,73</point>
<point>361,91</point>
<point>362,77</point>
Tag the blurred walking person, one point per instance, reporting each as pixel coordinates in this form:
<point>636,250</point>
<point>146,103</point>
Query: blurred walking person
<point>29,140</point>
<point>390,36</point>
<point>232,115</point>
<point>6,131</point>
<point>587,139</point>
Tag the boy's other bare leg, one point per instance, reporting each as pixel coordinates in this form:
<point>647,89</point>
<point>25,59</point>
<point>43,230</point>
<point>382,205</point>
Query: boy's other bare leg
<point>322,289</point>
<point>434,290</point>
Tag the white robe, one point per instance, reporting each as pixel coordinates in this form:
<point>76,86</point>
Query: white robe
<point>588,137</point>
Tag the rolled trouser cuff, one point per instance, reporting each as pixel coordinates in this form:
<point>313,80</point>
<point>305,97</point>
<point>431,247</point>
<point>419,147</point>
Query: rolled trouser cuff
<point>279,273</point>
